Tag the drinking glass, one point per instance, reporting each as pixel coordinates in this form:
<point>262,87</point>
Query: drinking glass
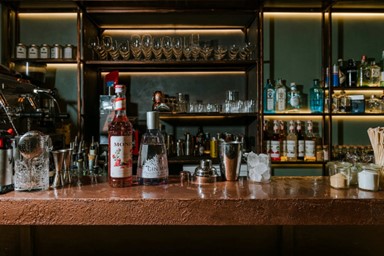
<point>157,48</point>
<point>135,45</point>
<point>124,50</point>
<point>177,47</point>
<point>167,47</point>
<point>146,46</point>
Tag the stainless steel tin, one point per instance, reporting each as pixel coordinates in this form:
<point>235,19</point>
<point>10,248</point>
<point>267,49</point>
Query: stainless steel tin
<point>56,51</point>
<point>68,51</point>
<point>230,159</point>
<point>33,51</point>
<point>6,170</point>
<point>45,51</point>
<point>21,51</point>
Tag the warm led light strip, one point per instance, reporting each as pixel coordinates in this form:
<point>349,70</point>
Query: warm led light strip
<point>50,15</point>
<point>293,14</point>
<point>69,66</point>
<point>179,73</point>
<point>359,117</point>
<point>172,31</point>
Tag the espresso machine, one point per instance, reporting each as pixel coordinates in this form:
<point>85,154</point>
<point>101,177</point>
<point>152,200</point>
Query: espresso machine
<point>25,106</point>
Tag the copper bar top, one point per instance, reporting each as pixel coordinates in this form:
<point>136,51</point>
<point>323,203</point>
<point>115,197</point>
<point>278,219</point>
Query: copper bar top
<point>283,201</point>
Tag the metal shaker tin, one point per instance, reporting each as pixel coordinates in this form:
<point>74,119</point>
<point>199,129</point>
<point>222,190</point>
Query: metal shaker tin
<point>33,51</point>
<point>21,51</point>
<point>68,51</point>
<point>45,51</point>
<point>56,51</point>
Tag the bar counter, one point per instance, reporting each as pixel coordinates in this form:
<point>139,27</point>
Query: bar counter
<point>283,201</point>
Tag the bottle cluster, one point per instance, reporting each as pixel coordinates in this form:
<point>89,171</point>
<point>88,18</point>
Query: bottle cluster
<point>351,73</point>
<point>279,98</point>
<point>353,153</point>
<point>293,141</point>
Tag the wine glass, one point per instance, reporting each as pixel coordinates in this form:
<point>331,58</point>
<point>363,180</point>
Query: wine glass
<point>124,50</point>
<point>167,47</point>
<point>177,47</point>
<point>157,48</point>
<point>136,47</point>
<point>146,46</point>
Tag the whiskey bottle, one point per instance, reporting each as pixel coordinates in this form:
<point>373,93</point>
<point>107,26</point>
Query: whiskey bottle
<point>316,97</point>
<point>152,164</point>
<point>292,142</point>
<point>120,143</point>
<point>374,75</point>
<point>281,97</point>
<point>266,138</point>
<point>283,142</point>
<point>310,143</point>
<point>300,141</point>
<point>269,97</point>
<point>275,142</point>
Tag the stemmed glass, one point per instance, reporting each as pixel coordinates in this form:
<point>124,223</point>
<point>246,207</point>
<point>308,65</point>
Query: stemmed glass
<point>195,52</point>
<point>177,47</point>
<point>167,47</point>
<point>220,52</point>
<point>146,45</point>
<point>136,47</point>
<point>157,48</point>
<point>114,51</point>
<point>124,50</point>
<point>233,51</point>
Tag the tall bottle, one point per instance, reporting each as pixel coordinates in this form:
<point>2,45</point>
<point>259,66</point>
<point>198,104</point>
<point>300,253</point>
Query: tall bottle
<point>199,145</point>
<point>120,143</point>
<point>281,96</point>
<point>310,143</point>
<point>269,97</point>
<point>266,138</point>
<point>382,70</point>
<point>292,142</point>
<point>351,73</point>
<point>283,141</point>
<point>152,164</point>
<point>363,72</point>
<point>316,97</point>
<point>275,142</point>
<point>294,99</point>
<point>300,141</point>
<point>374,74</point>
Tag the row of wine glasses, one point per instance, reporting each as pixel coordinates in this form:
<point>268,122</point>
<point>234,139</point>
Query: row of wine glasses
<point>169,48</point>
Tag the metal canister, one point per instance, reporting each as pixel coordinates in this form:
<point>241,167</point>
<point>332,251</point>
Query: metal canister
<point>33,51</point>
<point>56,51</point>
<point>45,51</point>
<point>68,51</point>
<point>21,51</point>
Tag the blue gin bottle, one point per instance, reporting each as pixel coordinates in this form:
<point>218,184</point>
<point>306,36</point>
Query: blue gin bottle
<point>316,97</point>
<point>269,97</point>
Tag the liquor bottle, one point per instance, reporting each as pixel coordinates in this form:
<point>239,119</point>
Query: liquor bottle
<point>283,142</point>
<point>351,73</point>
<point>266,138</point>
<point>269,97</point>
<point>281,96</point>
<point>300,141</point>
<point>344,102</point>
<point>120,143</point>
<point>310,143</point>
<point>342,73</point>
<point>335,76</point>
<point>316,97</point>
<point>292,142</point>
<point>382,70</point>
<point>374,75</point>
<point>213,147</point>
<point>200,141</point>
<point>152,164</point>
<point>362,73</point>
<point>294,99</point>
<point>207,143</point>
<point>275,142</point>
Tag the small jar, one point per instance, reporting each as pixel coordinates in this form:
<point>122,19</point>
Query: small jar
<point>56,51</point>
<point>21,51</point>
<point>368,176</point>
<point>339,174</point>
<point>45,51</point>
<point>33,51</point>
<point>68,51</point>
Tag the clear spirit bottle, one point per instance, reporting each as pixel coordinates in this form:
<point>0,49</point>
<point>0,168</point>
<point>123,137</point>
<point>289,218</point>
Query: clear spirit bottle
<point>269,97</point>
<point>363,72</point>
<point>292,142</point>
<point>152,164</point>
<point>281,96</point>
<point>310,143</point>
<point>374,75</point>
<point>316,97</point>
<point>351,73</point>
<point>294,99</point>
<point>120,143</point>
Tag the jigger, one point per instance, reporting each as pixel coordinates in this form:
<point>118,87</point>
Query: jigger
<point>58,159</point>
<point>67,166</point>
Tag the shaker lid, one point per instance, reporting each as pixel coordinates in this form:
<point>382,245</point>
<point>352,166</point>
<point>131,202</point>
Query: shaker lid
<point>153,120</point>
